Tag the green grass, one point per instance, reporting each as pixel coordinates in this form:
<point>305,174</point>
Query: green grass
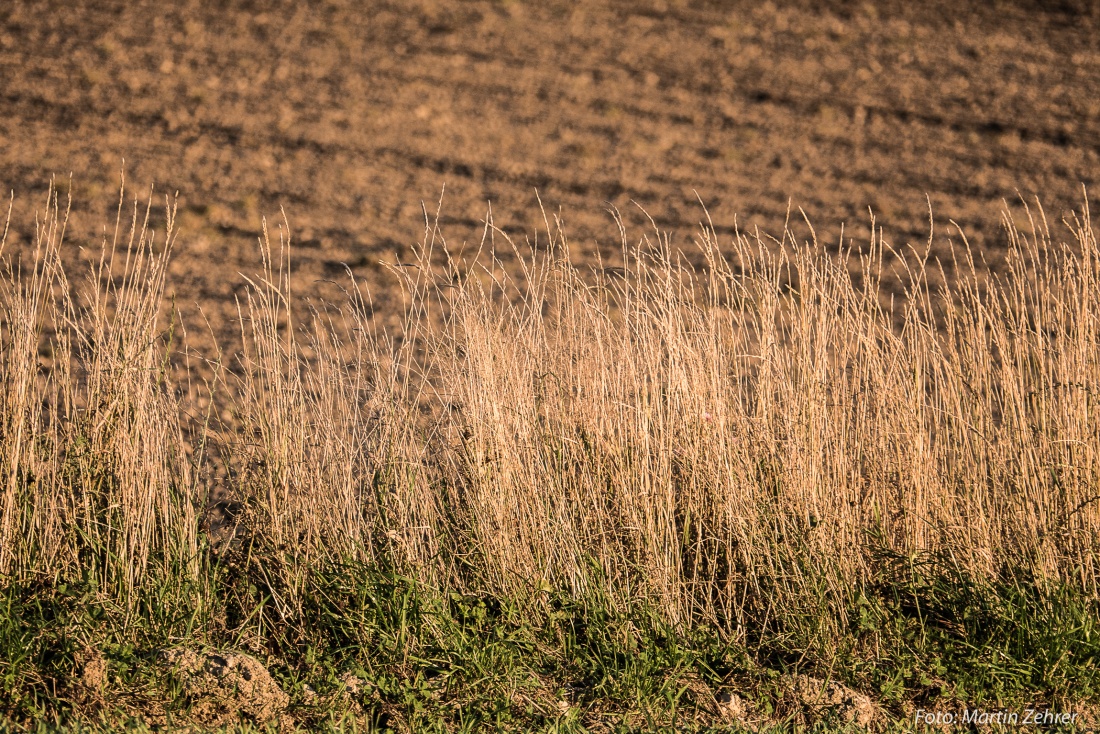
<point>436,660</point>
<point>1011,639</point>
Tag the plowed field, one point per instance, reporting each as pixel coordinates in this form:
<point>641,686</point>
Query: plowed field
<point>350,114</point>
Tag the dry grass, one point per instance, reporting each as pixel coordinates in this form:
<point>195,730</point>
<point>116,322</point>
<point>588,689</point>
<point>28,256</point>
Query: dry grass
<point>96,477</point>
<point>727,443</point>
<point>732,442</point>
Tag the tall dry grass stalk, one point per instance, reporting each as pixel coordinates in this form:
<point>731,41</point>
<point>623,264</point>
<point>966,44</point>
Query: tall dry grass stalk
<point>736,438</point>
<point>96,477</point>
<point>728,442</point>
<point>334,467</point>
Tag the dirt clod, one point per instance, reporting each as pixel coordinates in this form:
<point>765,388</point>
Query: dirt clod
<point>733,708</point>
<point>821,696</point>
<point>93,672</point>
<point>224,685</point>
<point>351,683</point>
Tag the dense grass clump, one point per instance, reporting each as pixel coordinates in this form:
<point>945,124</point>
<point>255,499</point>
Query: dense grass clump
<point>660,495</point>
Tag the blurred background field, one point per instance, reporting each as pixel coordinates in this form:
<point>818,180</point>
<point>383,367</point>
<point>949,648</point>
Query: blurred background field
<point>350,115</point>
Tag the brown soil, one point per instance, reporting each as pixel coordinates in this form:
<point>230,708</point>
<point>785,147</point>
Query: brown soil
<point>820,696</point>
<point>224,685</point>
<point>351,114</point>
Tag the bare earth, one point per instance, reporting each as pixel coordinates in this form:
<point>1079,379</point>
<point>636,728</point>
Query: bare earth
<point>350,114</point>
